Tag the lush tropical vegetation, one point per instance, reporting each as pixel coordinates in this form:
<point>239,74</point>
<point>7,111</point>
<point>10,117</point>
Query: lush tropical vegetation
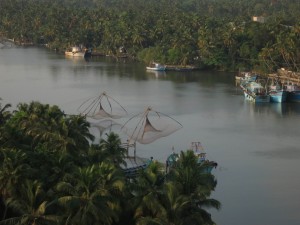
<point>217,34</point>
<point>52,172</point>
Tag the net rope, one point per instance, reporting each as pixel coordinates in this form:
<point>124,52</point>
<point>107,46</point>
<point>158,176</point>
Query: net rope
<point>149,126</point>
<point>101,107</point>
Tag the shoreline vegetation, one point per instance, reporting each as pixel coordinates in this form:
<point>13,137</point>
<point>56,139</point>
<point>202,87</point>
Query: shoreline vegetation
<point>52,173</point>
<point>219,35</point>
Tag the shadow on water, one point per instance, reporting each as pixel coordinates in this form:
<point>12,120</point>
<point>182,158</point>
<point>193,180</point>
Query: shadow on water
<point>206,78</point>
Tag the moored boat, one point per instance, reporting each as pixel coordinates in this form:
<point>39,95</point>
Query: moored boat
<point>278,95</point>
<point>293,92</point>
<point>199,152</point>
<point>156,66</point>
<point>77,51</point>
<point>246,77</point>
<point>276,92</point>
<point>255,92</point>
<point>133,164</point>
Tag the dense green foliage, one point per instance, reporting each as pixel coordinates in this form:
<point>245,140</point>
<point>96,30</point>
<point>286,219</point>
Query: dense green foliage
<point>52,174</point>
<point>217,34</point>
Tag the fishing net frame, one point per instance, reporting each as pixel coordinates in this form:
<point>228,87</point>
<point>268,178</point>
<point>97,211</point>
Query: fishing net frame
<point>101,107</point>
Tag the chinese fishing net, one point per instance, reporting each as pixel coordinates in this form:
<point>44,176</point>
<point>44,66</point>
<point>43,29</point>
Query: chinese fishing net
<point>102,106</point>
<point>149,126</point>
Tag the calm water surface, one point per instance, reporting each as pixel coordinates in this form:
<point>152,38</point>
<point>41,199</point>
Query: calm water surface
<point>257,147</point>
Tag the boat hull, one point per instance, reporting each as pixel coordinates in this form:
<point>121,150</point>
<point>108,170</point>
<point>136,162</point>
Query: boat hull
<point>256,98</point>
<point>278,96</point>
<point>78,52</point>
<point>293,96</point>
<point>156,68</point>
<point>75,54</point>
<point>293,91</point>
<point>255,92</point>
<point>133,165</point>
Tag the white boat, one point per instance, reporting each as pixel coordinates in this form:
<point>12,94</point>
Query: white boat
<point>255,92</point>
<point>156,67</point>
<point>243,76</point>
<point>78,52</point>
<point>246,77</point>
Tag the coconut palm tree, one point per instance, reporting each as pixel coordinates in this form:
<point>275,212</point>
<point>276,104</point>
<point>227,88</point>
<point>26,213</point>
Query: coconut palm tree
<point>12,172</point>
<point>31,124</point>
<point>147,191</point>
<point>175,204</point>
<point>30,204</point>
<point>194,182</point>
<point>4,114</point>
<point>78,131</point>
<point>112,149</point>
<point>4,117</point>
<point>92,195</point>
<point>37,124</point>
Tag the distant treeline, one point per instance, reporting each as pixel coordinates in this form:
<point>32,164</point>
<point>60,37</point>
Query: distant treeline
<point>217,34</point>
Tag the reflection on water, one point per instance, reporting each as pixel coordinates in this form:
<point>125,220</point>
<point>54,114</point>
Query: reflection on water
<point>157,74</point>
<point>99,128</point>
<point>280,109</point>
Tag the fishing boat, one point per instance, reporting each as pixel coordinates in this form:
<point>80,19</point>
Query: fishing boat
<point>293,92</point>
<point>255,92</point>
<point>77,51</point>
<point>133,164</point>
<point>246,76</point>
<point>277,93</point>
<point>246,79</point>
<point>156,67</point>
<point>199,152</point>
<point>275,90</point>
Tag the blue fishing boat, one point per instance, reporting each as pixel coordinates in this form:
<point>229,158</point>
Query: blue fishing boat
<point>277,93</point>
<point>199,152</point>
<point>293,92</point>
<point>133,164</point>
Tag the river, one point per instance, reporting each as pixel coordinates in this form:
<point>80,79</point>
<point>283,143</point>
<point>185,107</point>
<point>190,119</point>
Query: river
<point>257,147</point>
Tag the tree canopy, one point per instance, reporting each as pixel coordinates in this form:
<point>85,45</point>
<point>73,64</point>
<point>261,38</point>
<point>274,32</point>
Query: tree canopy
<point>218,34</point>
<point>51,173</point>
